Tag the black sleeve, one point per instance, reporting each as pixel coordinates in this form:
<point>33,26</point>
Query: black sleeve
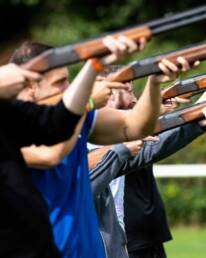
<point>30,123</point>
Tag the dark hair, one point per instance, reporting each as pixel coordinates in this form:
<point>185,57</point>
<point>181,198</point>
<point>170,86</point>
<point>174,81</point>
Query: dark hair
<point>110,69</point>
<point>27,51</point>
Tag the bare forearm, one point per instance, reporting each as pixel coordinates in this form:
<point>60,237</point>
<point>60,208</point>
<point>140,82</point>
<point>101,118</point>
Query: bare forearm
<point>35,158</point>
<point>143,117</point>
<point>77,95</point>
<point>44,157</point>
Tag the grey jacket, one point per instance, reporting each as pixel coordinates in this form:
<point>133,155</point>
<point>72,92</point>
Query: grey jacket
<point>118,162</point>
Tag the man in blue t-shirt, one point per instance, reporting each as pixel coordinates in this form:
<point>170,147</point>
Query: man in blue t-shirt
<point>66,187</point>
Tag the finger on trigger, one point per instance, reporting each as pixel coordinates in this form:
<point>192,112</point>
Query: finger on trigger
<point>31,75</point>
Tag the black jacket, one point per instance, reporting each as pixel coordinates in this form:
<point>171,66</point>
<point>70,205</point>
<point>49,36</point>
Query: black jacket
<point>25,230</point>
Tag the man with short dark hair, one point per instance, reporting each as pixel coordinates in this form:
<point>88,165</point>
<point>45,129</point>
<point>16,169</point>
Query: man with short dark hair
<point>25,230</point>
<point>27,51</point>
<point>71,207</point>
<point>66,187</point>
<point>24,227</point>
<point>66,177</point>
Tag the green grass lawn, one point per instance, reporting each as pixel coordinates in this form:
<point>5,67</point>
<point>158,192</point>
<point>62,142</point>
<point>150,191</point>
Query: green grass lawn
<point>187,243</point>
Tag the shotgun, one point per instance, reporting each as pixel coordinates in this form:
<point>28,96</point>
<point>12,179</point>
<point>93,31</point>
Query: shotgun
<point>165,122</point>
<point>185,88</point>
<point>74,53</point>
<point>180,117</point>
<point>148,66</point>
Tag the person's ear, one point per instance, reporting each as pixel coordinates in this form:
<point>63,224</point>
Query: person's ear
<point>32,89</point>
<point>31,93</point>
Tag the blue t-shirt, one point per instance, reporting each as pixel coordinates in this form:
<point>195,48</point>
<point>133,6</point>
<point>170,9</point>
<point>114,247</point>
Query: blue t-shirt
<point>66,188</point>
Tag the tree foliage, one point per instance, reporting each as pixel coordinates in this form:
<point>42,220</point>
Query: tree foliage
<point>65,21</point>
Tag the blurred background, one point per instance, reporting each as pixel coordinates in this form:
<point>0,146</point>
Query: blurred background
<point>66,21</point>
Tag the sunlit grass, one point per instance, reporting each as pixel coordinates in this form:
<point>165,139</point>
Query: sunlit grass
<point>188,243</point>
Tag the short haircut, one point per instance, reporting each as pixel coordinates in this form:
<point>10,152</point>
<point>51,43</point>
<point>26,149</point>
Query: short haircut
<point>110,69</point>
<point>27,51</point>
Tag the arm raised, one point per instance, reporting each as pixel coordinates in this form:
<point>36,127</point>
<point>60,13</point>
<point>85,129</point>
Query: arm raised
<point>44,157</point>
<point>114,126</point>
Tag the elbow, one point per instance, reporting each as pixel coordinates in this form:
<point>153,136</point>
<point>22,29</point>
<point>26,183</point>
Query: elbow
<point>148,130</point>
<point>51,160</point>
<point>149,125</point>
<point>144,131</point>
<point>142,127</point>
<point>54,161</point>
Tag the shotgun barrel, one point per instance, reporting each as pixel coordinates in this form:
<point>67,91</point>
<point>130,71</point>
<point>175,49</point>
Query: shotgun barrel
<point>148,66</point>
<point>180,117</point>
<point>185,88</point>
<point>74,53</point>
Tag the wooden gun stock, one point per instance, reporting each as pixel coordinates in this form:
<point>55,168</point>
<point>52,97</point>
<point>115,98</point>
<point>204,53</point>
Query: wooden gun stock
<point>186,88</point>
<point>180,117</point>
<point>97,48</point>
<point>74,53</point>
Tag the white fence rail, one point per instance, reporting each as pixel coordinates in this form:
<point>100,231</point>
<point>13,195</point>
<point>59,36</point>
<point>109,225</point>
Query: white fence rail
<point>183,170</point>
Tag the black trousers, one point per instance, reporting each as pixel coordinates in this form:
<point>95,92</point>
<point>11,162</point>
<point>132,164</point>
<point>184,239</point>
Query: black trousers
<point>156,251</point>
